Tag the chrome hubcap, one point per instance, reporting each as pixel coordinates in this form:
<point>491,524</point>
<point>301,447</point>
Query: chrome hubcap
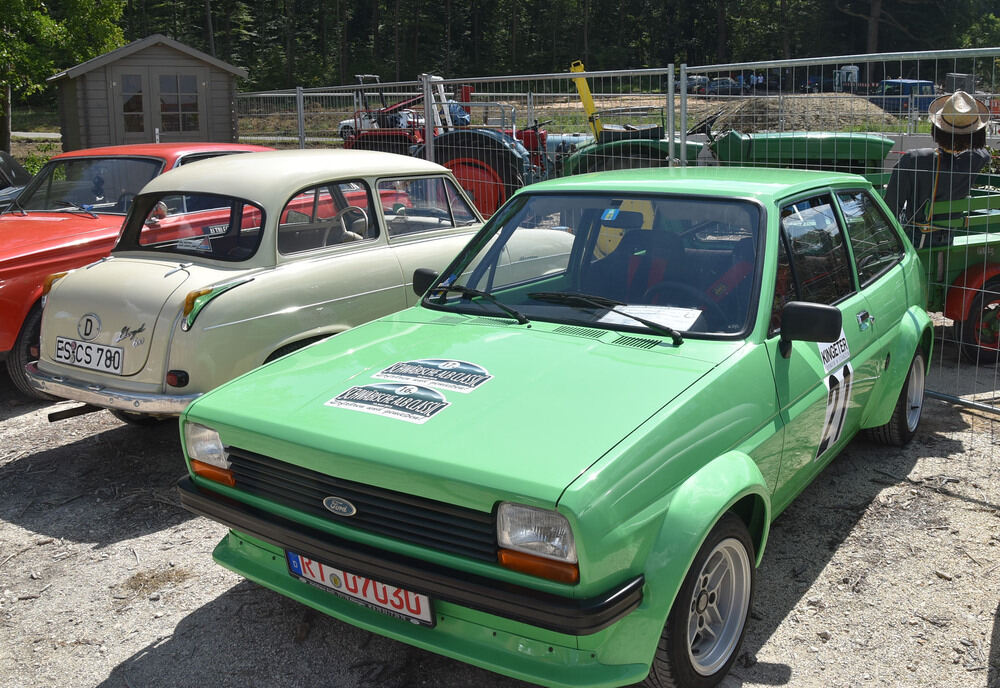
<point>718,607</point>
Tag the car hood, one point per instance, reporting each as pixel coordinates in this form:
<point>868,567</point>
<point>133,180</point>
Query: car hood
<point>468,410</point>
<point>22,235</point>
<point>136,301</point>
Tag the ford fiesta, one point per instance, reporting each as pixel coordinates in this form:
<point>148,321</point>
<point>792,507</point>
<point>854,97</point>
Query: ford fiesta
<point>562,464</point>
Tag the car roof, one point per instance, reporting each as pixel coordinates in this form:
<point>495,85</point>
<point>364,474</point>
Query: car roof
<point>272,177</point>
<point>748,182</point>
<point>167,151</point>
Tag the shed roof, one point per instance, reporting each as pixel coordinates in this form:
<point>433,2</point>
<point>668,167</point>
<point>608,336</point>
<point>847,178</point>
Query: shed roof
<point>141,44</point>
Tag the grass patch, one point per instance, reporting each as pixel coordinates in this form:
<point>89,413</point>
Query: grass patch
<point>34,119</point>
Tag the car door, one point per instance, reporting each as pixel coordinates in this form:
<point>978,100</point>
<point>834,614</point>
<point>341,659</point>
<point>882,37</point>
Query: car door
<point>821,387</point>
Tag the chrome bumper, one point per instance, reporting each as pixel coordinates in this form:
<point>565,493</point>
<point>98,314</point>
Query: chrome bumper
<point>106,397</point>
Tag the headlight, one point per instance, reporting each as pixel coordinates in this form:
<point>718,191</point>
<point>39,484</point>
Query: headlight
<point>541,532</point>
<point>204,444</point>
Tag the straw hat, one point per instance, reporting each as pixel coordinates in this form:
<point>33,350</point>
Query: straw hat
<point>958,113</point>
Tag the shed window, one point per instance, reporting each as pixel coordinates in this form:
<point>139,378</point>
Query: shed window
<point>179,102</point>
<point>132,103</point>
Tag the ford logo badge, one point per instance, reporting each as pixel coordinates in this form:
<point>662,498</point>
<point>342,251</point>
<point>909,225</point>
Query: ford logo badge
<point>339,506</point>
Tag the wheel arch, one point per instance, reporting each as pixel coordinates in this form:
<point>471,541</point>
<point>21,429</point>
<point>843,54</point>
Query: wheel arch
<point>295,343</point>
<point>915,330</point>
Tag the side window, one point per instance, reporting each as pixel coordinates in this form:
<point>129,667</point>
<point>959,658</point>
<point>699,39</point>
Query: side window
<point>326,215</point>
<point>459,208</point>
<point>784,287</point>
<point>818,253</point>
<point>415,205</point>
<point>876,245</point>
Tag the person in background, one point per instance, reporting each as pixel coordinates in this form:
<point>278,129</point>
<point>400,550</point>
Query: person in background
<point>944,173</point>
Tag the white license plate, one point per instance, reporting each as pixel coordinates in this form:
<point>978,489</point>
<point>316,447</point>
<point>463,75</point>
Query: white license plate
<point>89,355</point>
<point>397,602</point>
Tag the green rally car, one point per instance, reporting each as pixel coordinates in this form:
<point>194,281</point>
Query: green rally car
<point>562,464</point>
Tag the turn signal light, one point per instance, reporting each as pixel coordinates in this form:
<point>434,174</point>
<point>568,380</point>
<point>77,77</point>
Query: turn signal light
<point>50,280</point>
<point>214,473</point>
<point>558,571</point>
<point>191,297</point>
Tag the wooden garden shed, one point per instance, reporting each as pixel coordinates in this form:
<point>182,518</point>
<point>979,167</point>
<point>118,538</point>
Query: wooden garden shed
<point>154,89</point>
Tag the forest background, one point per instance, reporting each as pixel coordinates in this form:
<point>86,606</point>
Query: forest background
<point>287,43</point>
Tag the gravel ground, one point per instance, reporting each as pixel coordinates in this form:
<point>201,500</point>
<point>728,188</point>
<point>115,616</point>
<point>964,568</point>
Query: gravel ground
<point>885,572</point>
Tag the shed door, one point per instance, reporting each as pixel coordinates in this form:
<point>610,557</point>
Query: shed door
<point>159,104</point>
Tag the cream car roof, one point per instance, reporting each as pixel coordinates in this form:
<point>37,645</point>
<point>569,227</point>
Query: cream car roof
<point>270,178</point>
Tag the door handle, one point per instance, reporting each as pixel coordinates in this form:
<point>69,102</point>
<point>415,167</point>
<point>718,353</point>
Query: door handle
<point>865,319</point>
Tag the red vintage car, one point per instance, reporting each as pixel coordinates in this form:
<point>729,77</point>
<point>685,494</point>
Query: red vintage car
<point>70,215</point>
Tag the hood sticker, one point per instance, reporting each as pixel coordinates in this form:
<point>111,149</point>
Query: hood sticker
<point>412,403</point>
<point>443,373</point>
<point>835,354</point>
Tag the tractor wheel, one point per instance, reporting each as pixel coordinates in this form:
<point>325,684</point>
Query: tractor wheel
<point>980,332</point>
<point>489,176</point>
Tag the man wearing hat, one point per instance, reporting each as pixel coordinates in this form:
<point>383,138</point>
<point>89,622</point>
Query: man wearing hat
<point>958,127</point>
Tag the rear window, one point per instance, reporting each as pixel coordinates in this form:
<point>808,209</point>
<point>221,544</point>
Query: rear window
<point>197,225</point>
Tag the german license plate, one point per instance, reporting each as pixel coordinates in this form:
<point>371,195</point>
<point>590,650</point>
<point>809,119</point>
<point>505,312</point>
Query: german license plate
<point>388,599</point>
<point>107,359</point>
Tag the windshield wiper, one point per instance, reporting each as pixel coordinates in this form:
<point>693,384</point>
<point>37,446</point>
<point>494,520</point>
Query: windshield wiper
<point>78,206</point>
<point>574,297</point>
<point>475,293</point>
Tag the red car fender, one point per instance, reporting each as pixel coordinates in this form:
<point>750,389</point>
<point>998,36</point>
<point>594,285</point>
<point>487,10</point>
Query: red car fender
<point>963,290</point>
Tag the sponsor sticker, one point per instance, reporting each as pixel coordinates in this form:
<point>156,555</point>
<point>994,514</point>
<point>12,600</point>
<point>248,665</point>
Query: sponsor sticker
<point>412,403</point>
<point>443,373</point>
<point>835,354</point>
<point>610,214</point>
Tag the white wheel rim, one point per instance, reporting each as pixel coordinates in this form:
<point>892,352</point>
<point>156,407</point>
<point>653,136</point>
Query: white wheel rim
<point>915,394</point>
<point>718,607</point>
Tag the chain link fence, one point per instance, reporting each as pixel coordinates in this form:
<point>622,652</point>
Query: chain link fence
<point>856,113</point>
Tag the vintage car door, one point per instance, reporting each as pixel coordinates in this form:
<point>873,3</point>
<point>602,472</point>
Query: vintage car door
<point>821,387</point>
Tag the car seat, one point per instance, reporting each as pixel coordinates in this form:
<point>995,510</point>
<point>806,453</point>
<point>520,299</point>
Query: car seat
<point>642,259</point>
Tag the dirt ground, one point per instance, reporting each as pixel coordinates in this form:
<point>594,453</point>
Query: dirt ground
<point>885,572</point>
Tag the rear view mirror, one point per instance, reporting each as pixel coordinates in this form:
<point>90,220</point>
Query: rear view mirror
<point>423,278</point>
<point>808,322</point>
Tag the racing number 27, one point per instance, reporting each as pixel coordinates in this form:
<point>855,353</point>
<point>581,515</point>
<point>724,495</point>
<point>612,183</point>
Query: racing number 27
<point>838,399</point>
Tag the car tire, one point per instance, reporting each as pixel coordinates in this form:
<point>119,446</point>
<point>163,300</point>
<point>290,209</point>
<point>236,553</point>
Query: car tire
<point>902,426</point>
<point>20,356</point>
<point>980,332</point>
<point>138,419</point>
<point>716,591</point>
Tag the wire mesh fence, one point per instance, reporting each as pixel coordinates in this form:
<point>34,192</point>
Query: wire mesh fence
<point>858,114</point>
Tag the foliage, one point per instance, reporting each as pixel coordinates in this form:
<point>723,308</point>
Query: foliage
<point>34,160</point>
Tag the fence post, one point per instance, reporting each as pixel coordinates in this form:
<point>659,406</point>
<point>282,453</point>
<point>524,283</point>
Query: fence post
<point>684,114</point>
<point>429,116</point>
<point>300,108</point>
<point>670,115</point>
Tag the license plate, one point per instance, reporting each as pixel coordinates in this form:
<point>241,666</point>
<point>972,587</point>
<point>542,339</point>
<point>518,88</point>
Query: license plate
<point>388,599</point>
<point>89,355</point>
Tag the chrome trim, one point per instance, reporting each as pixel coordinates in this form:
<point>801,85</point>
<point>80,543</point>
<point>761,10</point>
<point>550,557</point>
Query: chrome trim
<point>105,397</point>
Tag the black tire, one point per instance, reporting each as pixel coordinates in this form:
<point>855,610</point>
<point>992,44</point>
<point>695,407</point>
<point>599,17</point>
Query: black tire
<point>20,356</point>
<point>980,333</point>
<point>905,420</point>
<point>138,419</point>
<point>675,664</point>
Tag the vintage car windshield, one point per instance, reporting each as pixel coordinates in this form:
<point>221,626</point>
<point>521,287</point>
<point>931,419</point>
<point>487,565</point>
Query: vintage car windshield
<point>687,263</point>
<point>95,185</point>
<point>195,225</point>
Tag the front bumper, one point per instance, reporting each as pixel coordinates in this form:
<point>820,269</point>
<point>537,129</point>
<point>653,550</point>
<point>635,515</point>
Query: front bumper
<point>106,397</point>
<point>515,602</point>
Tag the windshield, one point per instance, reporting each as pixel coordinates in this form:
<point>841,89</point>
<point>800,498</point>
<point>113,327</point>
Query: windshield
<point>194,225</point>
<point>686,263</point>
<point>98,185</point>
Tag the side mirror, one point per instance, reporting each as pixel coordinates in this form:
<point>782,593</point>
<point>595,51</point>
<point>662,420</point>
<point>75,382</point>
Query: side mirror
<point>808,322</point>
<point>423,278</point>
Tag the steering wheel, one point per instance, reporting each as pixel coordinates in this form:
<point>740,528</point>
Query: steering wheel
<point>698,297</point>
<point>339,217</point>
<point>124,201</point>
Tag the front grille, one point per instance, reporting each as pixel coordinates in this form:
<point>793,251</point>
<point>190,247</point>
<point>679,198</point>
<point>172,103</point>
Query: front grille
<point>415,520</point>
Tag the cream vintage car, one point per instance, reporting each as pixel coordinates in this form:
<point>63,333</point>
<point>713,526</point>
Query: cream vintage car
<point>227,264</point>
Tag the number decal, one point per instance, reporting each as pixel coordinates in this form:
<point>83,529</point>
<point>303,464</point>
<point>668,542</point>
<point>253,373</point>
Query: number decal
<point>838,400</point>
